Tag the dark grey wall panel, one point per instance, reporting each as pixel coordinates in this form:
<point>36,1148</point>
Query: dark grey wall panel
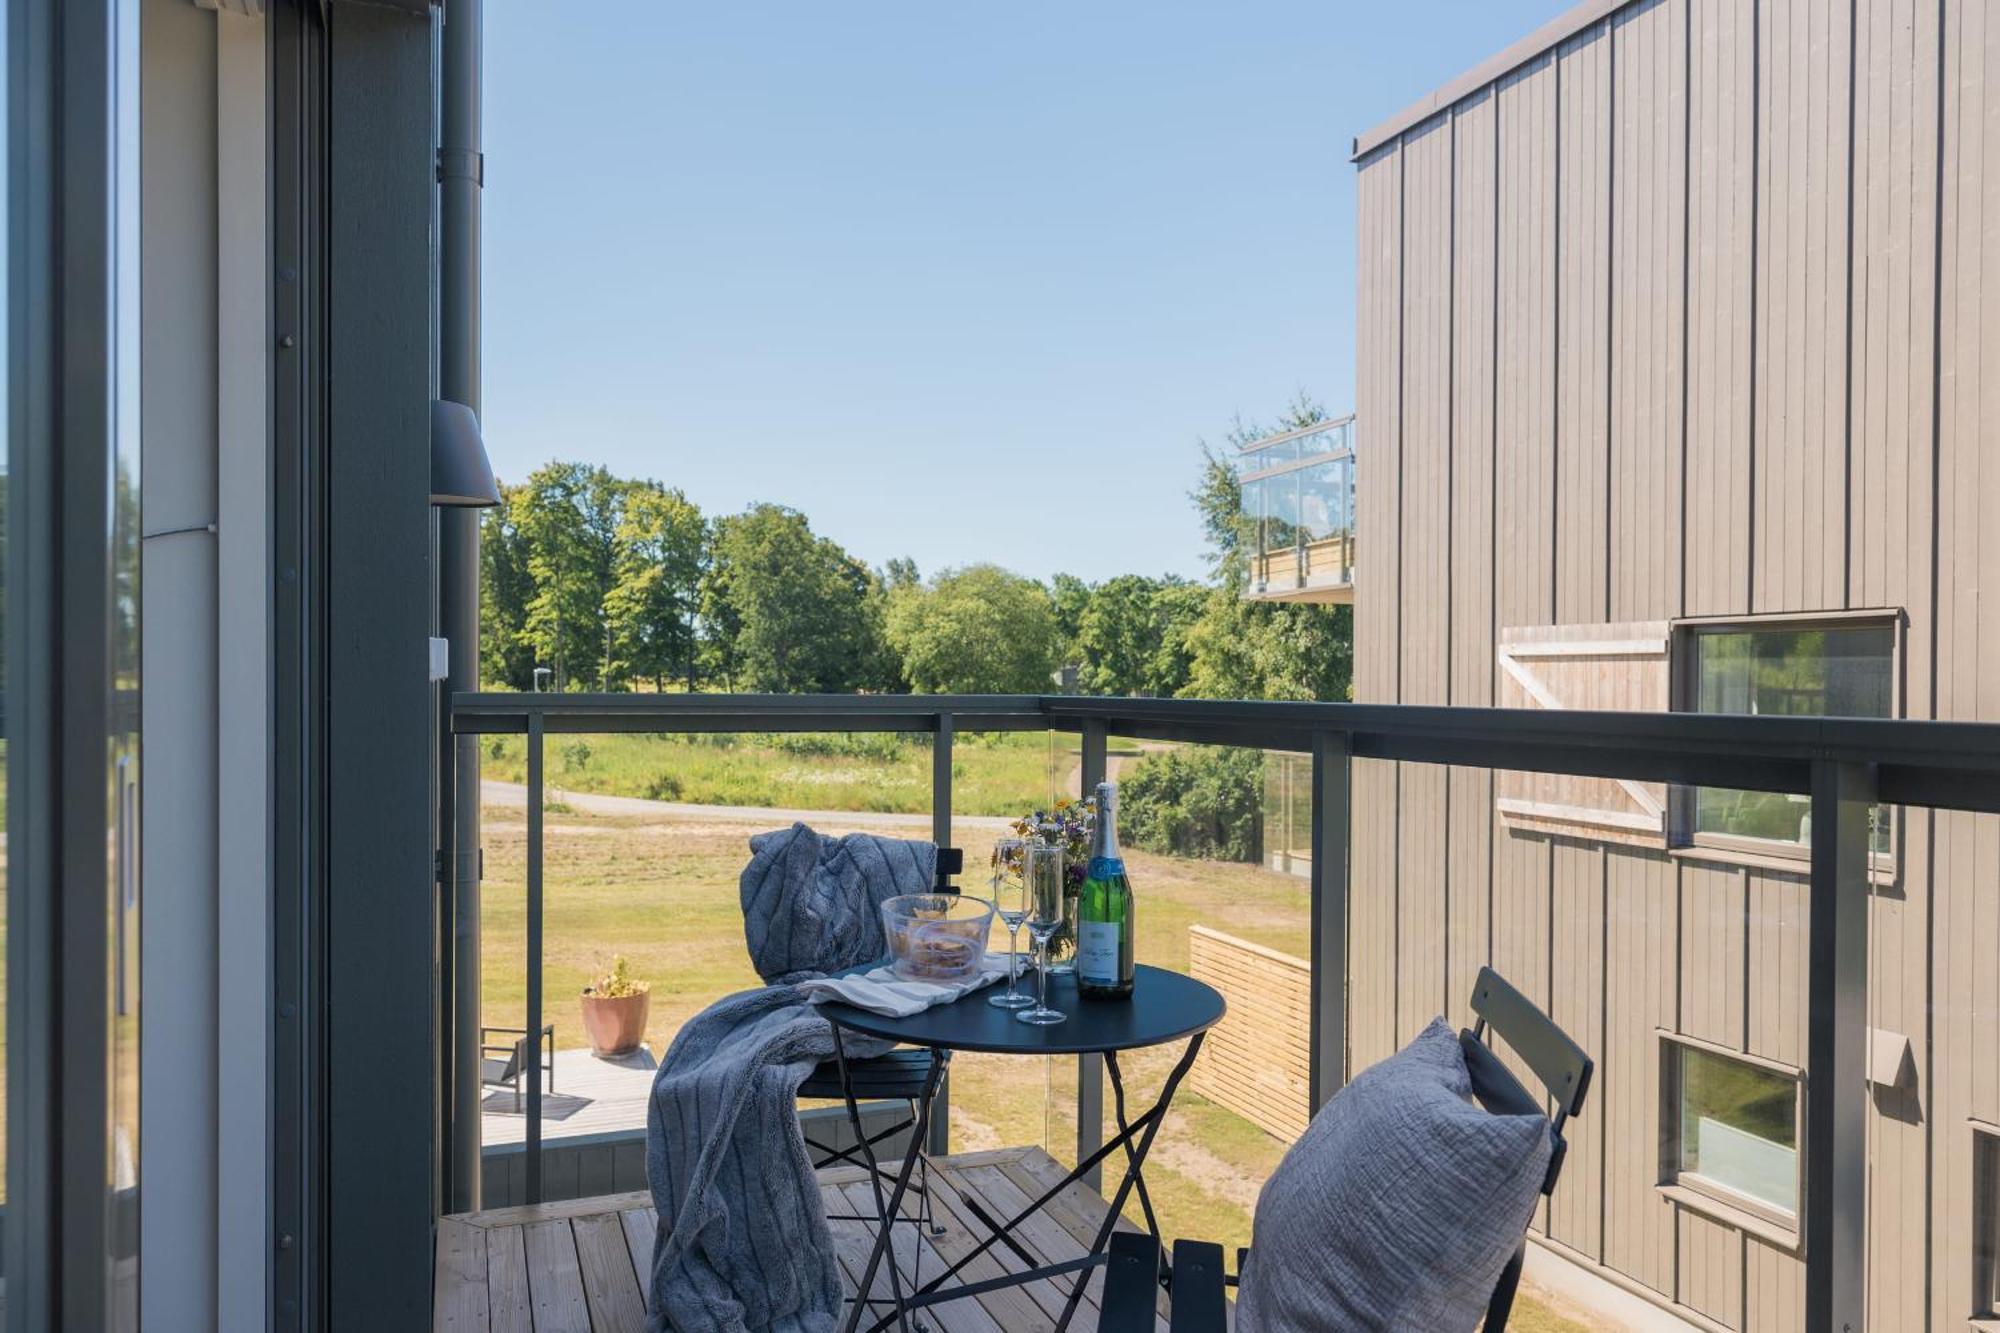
<point>378,700</point>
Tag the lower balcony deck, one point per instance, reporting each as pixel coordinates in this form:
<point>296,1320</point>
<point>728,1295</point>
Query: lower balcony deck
<point>580,1266</point>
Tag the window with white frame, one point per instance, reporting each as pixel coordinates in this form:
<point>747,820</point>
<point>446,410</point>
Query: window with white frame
<point>1731,1129</point>
<point>1835,667</point>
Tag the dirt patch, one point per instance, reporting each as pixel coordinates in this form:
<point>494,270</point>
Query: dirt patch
<point>1211,1174</point>
<point>971,1134</point>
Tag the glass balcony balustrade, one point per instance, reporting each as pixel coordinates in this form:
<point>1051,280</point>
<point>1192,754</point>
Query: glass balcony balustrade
<point>1298,509</point>
<point>1282,939</point>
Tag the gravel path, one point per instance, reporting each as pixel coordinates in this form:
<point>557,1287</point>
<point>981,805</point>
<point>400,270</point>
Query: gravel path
<point>514,795</point>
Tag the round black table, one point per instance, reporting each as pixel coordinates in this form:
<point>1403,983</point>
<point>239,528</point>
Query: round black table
<point>1164,1007</point>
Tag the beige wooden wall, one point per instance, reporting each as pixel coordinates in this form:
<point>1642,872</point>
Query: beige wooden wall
<point>1686,316</point>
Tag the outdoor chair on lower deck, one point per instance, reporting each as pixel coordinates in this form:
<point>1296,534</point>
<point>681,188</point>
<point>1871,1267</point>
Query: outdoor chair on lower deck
<point>1196,1278</point>
<point>504,1064</point>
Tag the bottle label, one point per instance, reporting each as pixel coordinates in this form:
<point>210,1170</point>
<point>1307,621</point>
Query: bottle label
<point>1097,952</point>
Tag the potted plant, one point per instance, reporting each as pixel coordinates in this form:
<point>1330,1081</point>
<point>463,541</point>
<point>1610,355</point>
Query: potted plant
<point>614,1011</point>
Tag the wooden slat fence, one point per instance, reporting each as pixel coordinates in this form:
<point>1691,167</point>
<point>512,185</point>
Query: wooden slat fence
<point>1255,1059</point>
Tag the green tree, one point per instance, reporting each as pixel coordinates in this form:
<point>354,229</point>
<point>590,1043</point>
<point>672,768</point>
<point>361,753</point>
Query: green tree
<point>1198,800</point>
<point>660,548</point>
<point>977,630</point>
<point>1069,596</point>
<point>568,516</point>
<point>1240,649</point>
<point>506,655</point>
<point>720,625</point>
<point>1268,650</point>
<point>787,611</point>
<point>1132,635</point>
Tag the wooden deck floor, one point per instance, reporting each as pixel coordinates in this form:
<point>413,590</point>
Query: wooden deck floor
<point>579,1266</point>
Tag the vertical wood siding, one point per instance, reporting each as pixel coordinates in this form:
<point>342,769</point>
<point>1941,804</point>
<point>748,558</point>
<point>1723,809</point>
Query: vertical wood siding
<point>1648,308</point>
<point>1721,307</point>
<point>1799,356</point>
<point>1524,467</point>
<point>1583,343</point>
<point>1687,316</point>
<point>1892,522</point>
<point>1378,382</point>
<point>1469,589</point>
<point>1640,916</point>
<point>1425,489</point>
<point>1965,1069</point>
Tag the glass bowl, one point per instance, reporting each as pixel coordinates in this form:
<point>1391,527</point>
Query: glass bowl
<point>936,936</point>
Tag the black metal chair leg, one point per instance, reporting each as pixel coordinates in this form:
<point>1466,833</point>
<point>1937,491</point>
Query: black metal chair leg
<point>1145,1199</point>
<point>1501,1304</point>
<point>1134,1169</point>
<point>887,1209</point>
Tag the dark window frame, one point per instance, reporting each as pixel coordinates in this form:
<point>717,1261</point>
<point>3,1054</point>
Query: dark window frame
<point>63,709</point>
<point>1682,694</point>
<point>1705,1194</point>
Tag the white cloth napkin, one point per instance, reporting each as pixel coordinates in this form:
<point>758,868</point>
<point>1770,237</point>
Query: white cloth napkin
<point>883,992</point>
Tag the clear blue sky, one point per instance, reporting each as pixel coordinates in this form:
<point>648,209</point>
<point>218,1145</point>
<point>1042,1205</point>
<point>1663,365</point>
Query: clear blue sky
<point>962,282</point>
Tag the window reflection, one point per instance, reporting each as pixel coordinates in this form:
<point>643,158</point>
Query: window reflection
<point>1826,671</point>
<point>122,641</point>
<point>1738,1127</point>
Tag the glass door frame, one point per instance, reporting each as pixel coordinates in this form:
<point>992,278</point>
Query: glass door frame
<point>62,1218</point>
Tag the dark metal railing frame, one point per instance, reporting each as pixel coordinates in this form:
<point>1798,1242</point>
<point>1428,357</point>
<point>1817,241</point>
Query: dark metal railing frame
<point>1843,765</point>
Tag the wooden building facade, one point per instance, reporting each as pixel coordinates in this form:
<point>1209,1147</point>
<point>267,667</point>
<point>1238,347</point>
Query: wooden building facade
<point>1677,324</point>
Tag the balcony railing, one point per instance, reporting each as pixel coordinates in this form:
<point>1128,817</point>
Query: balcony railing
<point>1843,767</point>
<point>1298,505</point>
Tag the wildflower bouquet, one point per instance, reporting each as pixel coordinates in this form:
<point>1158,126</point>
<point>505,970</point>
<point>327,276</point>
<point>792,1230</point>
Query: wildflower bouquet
<point>1069,825</point>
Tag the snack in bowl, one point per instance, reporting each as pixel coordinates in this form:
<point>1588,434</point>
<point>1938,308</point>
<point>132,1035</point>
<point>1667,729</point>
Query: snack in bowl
<point>936,936</point>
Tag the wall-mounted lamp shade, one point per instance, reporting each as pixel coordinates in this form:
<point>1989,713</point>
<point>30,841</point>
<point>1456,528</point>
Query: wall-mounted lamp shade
<point>461,476</point>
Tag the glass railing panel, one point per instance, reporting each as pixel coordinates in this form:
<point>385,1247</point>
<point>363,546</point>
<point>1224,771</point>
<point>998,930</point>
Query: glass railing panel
<point>999,780</point>
<point>1301,523</point>
<point>1259,456</point>
<point>1949,1073</point>
<point>1195,837</point>
<point>1325,499</point>
<point>1282,516</point>
<point>1254,511</point>
<point>1287,813</point>
<point>645,839</point>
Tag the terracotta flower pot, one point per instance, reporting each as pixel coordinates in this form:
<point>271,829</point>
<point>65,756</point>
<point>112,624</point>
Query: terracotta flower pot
<point>617,1025</point>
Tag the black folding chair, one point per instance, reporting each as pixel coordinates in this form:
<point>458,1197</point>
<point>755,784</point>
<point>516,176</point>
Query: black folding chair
<point>1197,1278</point>
<point>900,1075</point>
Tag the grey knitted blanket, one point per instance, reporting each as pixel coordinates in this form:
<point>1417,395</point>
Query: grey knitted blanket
<point>742,1242</point>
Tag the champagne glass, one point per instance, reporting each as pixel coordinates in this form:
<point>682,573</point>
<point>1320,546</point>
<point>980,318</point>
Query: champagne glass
<point>1010,899</point>
<point>1042,871</point>
<point>1052,832</point>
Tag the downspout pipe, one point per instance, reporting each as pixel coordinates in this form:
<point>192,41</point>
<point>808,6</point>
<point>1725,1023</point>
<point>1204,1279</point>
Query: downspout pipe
<point>461,178</point>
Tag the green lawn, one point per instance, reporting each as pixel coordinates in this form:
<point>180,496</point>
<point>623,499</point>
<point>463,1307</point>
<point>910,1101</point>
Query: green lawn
<point>992,773</point>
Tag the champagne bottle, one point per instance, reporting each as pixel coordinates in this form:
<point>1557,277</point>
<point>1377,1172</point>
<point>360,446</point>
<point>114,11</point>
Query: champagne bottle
<point>1104,911</point>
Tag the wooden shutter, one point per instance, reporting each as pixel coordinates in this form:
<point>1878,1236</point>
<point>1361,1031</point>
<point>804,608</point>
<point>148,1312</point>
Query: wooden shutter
<point>1617,667</point>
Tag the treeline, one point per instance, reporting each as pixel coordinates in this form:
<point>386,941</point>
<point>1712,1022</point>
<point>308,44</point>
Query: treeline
<point>614,584</point>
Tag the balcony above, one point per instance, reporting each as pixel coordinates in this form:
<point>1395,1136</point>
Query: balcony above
<point>1298,507</point>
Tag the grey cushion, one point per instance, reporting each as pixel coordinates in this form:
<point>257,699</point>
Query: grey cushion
<point>1398,1206</point>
